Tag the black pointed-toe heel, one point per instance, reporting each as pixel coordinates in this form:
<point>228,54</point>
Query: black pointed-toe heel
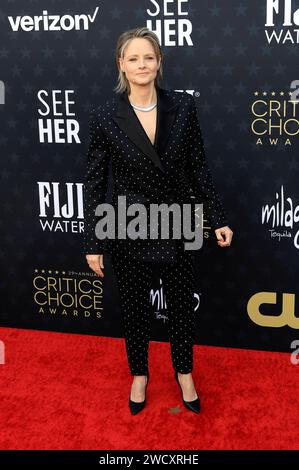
<point>135,406</point>
<point>193,405</point>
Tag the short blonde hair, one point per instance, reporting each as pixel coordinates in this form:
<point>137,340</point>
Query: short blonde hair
<point>123,41</point>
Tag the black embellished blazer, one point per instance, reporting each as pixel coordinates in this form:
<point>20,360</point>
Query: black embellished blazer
<point>174,169</point>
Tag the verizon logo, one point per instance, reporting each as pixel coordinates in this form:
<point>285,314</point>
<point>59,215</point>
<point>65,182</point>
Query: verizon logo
<point>47,22</point>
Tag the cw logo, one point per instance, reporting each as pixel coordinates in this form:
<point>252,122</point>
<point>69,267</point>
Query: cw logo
<point>285,318</point>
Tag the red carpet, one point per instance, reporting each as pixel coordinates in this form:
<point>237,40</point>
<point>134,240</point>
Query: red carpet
<point>67,391</point>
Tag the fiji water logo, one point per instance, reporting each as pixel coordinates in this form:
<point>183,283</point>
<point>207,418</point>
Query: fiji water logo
<point>281,14</point>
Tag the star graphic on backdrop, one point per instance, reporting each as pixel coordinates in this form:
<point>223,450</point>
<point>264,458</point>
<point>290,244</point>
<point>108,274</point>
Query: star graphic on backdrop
<point>253,30</point>
<point>227,30</point>
<point>4,53</point>
<point>241,9</point>
<point>240,49</point>
<point>231,107</point>
<point>266,50</point>
<point>268,163</point>
<point>215,10</point>
<point>201,31</point>
<point>94,52</point>
<point>293,164</point>
<point>178,70</point>
<point>292,50</point>
<point>216,88</point>
<point>203,69</point>
<point>215,50</point>
<point>243,163</point>
<point>240,88</point>
<point>253,68</point>
<point>279,69</point>
<point>219,126</point>
<point>116,13</point>
<point>227,69</point>
<point>38,70</point>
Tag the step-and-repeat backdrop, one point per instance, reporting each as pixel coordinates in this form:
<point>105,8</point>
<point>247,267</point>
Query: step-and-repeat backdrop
<point>240,61</point>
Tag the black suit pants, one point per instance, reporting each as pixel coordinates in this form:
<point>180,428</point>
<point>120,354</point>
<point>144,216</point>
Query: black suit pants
<point>134,280</point>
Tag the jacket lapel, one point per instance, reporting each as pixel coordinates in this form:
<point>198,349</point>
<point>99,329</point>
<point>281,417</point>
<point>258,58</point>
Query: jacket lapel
<point>128,121</point>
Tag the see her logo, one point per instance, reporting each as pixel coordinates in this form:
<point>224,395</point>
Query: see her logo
<point>169,20</point>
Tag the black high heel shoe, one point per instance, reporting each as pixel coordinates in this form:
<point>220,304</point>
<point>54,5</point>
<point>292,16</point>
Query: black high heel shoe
<point>193,405</point>
<point>135,406</point>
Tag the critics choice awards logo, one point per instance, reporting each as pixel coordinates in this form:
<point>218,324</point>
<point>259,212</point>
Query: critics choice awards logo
<point>274,117</point>
<point>67,294</point>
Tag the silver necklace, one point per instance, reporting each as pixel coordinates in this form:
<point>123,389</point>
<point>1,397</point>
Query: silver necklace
<point>144,108</point>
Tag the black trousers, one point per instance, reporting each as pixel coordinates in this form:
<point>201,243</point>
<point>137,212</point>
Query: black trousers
<point>134,280</point>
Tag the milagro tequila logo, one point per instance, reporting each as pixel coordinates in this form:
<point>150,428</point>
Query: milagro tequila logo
<point>61,207</point>
<point>281,216</point>
<point>158,299</point>
<point>55,126</point>
<point>169,20</point>
<point>275,117</point>
<point>282,15</point>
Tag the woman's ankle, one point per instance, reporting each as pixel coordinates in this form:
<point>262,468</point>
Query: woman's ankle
<point>139,377</point>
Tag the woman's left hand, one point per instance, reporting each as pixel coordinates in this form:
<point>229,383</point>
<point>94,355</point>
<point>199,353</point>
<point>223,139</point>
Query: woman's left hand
<point>224,236</point>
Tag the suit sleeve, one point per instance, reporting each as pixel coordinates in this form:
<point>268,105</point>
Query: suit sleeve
<point>95,185</point>
<point>199,173</point>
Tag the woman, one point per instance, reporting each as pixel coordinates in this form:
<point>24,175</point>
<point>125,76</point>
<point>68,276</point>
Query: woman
<point>152,139</point>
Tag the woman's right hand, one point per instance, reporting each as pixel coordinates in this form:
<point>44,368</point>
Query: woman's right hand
<point>96,263</point>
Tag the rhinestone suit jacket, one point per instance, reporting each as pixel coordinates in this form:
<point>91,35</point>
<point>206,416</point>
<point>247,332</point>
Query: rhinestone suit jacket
<point>174,169</point>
